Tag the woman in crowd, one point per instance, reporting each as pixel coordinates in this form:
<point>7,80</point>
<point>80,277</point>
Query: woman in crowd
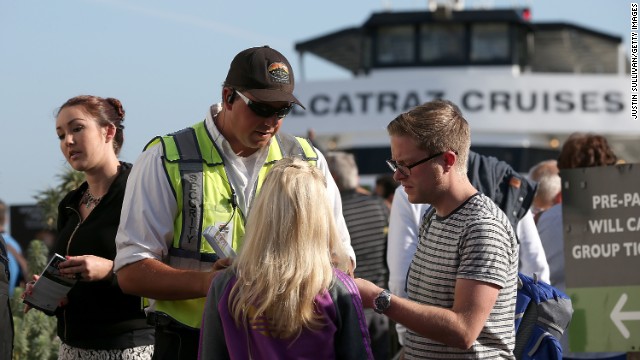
<point>97,321</point>
<point>286,295</point>
<point>580,150</point>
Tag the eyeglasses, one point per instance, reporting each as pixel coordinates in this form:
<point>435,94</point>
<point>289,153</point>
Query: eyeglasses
<point>264,110</point>
<point>406,169</point>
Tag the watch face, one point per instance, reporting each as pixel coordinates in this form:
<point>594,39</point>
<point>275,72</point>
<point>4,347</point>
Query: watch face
<point>382,302</point>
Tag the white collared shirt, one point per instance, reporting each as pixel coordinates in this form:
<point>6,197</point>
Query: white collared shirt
<point>150,208</point>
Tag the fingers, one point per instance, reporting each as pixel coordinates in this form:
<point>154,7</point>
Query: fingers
<point>73,266</point>
<point>87,268</point>
<point>222,264</point>
<point>28,289</point>
<point>352,266</point>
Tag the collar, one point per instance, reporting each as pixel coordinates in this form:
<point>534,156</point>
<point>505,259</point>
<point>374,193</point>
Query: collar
<point>222,142</point>
<point>119,182</point>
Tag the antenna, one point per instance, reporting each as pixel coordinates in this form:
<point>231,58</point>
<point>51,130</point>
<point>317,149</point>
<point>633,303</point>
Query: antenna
<point>446,5</point>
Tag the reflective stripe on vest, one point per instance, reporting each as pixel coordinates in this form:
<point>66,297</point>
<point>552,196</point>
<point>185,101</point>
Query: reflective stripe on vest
<point>191,174</point>
<point>198,178</point>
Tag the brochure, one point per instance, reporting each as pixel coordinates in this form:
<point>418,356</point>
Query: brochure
<point>217,237</point>
<point>50,288</point>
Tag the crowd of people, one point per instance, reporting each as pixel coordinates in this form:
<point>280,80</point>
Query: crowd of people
<point>424,266</point>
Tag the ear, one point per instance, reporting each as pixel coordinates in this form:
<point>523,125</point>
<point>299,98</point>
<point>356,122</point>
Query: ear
<point>450,158</point>
<point>558,198</point>
<point>227,98</point>
<point>110,132</point>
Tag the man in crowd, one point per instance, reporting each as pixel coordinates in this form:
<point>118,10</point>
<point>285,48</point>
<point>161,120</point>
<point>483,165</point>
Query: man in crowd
<point>463,278</point>
<point>367,218</point>
<point>202,180</point>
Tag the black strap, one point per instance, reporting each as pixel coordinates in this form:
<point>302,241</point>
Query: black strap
<point>191,169</point>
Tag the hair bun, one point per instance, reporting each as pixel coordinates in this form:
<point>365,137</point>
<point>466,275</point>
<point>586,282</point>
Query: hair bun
<point>117,105</point>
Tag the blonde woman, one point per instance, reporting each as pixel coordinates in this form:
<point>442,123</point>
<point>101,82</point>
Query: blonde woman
<point>286,295</point>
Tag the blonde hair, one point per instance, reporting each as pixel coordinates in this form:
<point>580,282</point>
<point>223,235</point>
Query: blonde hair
<point>290,247</point>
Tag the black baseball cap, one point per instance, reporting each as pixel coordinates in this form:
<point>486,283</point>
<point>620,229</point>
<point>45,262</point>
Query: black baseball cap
<point>264,73</point>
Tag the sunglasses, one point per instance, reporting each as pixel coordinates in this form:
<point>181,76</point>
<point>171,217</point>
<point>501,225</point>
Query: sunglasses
<point>264,110</point>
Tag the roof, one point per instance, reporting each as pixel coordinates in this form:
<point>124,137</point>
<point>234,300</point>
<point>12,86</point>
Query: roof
<point>343,48</point>
<point>350,48</point>
<point>416,17</point>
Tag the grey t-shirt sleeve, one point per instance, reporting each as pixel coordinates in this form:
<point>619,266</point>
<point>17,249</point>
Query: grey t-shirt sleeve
<point>212,340</point>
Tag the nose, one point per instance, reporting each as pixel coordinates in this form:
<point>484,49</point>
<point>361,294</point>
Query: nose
<point>272,120</point>
<point>68,139</point>
<point>397,176</point>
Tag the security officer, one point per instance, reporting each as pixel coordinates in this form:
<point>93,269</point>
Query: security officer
<point>201,181</point>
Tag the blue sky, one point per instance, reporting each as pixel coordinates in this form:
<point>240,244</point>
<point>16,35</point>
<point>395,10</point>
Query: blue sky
<point>165,60</point>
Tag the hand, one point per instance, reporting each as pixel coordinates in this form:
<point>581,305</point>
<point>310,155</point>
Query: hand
<point>87,268</point>
<point>222,264</point>
<point>352,266</point>
<point>28,290</point>
<point>218,266</point>
<point>368,292</point>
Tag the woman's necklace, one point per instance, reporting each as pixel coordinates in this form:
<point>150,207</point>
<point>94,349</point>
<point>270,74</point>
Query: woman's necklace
<point>89,199</point>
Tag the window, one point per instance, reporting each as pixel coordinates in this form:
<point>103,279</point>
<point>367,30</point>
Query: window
<point>489,42</point>
<point>395,45</point>
<point>442,43</point>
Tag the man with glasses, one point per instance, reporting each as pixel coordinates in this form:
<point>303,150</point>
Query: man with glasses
<point>200,182</point>
<point>462,281</point>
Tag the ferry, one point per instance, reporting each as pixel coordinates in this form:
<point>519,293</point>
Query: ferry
<point>523,86</point>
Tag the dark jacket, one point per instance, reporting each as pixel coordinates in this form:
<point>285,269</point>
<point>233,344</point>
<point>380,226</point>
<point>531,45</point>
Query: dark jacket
<point>496,179</point>
<point>6,320</point>
<point>98,315</point>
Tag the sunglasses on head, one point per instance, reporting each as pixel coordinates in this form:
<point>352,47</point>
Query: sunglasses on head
<point>264,110</point>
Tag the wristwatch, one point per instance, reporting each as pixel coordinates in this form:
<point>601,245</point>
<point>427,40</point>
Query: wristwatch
<point>382,302</point>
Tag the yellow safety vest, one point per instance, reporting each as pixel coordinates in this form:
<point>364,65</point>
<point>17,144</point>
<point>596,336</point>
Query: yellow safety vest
<point>196,169</point>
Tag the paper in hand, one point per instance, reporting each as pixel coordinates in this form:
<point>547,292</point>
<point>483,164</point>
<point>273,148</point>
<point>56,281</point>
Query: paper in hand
<point>51,287</point>
<point>217,237</point>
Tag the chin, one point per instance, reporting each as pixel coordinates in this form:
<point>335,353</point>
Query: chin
<point>75,166</point>
<point>417,199</point>
<point>413,199</point>
<point>261,143</point>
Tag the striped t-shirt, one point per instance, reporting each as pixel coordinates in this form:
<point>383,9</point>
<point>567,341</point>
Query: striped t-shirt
<point>476,241</point>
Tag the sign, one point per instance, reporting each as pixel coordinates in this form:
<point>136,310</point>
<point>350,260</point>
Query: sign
<point>26,221</point>
<point>601,219</point>
<point>500,104</point>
